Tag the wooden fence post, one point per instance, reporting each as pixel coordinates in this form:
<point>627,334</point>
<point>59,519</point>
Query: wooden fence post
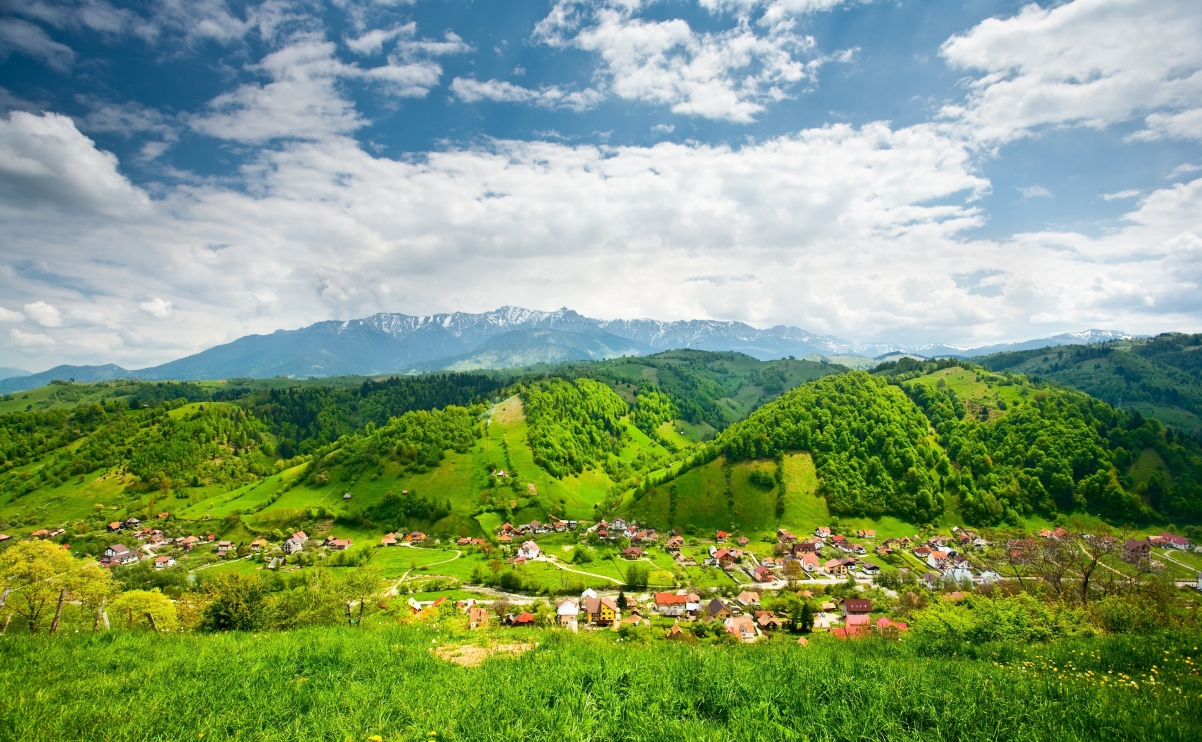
<point>6,622</point>
<point>153,624</point>
<point>99,614</point>
<point>58,613</point>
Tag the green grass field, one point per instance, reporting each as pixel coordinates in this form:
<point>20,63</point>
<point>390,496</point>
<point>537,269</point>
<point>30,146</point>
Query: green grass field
<point>388,684</point>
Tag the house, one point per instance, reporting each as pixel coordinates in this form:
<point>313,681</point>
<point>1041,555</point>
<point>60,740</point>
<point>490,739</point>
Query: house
<point>835,568</point>
<point>390,539</point>
<point>415,537</point>
<point>785,537</point>
<point>869,568</point>
<point>839,541</point>
<point>567,611</point>
<point>768,621</point>
<point>763,574</point>
<point>810,563</point>
<point>161,516</point>
<point>724,558</point>
<point>749,597</point>
<point>889,625</point>
<point>922,552</point>
<point>504,539</point>
<point>632,552</point>
<point>114,526</point>
<point>883,551</point>
<point>717,609</point>
<point>4,537</point>
<point>132,523</point>
<point>847,633</point>
<point>1136,551</point>
<point>118,554</point>
<point>224,547</point>
<point>722,536</point>
<point>477,618</point>
<point>692,605</point>
<point>938,560</point>
<point>854,606</point>
<point>529,550</point>
<point>676,632</point>
<point>674,544</point>
<point>521,619</point>
<point>988,577</point>
<point>258,545</point>
<point>867,533</point>
<point>164,561</point>
<point>857,620</point>
<point>822,532</point>
<point>347,496</point>
<point>1180,543</point>
<point>670,604</point>
<point>339,544</point>
<point>601,611</point>
<point>743,541</point>
<point>742,627</point>
<point>294,544</point>
<point>635,619</point>
<point>41,534</point>
<point>958,575</point>
<point>809,546</point>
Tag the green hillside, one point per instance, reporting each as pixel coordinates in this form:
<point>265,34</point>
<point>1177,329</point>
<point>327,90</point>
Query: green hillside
<point>1159,377</point>
<point>459,454</point>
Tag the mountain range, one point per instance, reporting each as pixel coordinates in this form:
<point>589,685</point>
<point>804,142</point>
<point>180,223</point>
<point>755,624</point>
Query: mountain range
<point>505,338</point>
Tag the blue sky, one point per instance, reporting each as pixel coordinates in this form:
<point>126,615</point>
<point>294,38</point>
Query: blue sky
<point>177,174</point>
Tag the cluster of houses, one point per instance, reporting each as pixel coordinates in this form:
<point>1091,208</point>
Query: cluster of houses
<point>509,532</point>
<point>396,539</point>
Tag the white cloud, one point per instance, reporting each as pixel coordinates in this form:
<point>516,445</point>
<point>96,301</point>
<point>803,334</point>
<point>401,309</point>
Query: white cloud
<point>156,307</point>
<point>731,74</point>
<point>1035,191</point>
<point>1129,193</point>
<point>8,315</point>
<point>408,46</point>
<point>21,36</point>
<point>45,160</point>
<point>29,339</point>
<point>663,128</point>
<point>550,96</point>
<point>1083,63</point>
<point>46,315</point>
<point>303,100</point>
<point>1184,169</point>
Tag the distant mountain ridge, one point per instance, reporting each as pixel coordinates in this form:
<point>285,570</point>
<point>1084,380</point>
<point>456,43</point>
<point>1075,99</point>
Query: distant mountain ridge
<point>503,338</point>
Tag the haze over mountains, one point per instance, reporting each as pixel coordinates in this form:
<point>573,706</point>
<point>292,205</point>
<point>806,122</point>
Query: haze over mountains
<point>505,338</point>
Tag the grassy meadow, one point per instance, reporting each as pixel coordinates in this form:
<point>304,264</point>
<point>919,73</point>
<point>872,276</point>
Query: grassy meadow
<point>391,684</point>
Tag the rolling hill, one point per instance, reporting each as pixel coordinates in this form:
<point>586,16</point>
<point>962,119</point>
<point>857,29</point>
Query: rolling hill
<point>456,455</point>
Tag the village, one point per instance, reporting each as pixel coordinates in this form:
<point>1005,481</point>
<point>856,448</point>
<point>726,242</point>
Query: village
<point>824,581</point>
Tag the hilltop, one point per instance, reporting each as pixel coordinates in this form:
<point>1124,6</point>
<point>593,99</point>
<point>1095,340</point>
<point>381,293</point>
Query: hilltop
<point>1157,377</point>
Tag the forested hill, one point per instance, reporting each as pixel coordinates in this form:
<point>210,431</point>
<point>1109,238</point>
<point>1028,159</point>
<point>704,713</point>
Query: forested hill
<point>923,442</point>
<point>909,444</point>
<point>1159,377</point>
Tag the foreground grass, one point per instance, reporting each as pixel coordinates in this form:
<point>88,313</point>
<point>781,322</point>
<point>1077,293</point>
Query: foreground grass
<point>347,684</point>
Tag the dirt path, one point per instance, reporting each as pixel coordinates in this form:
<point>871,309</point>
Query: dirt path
<point>555,563</point>
<point>1179,564</point>
<point>394,589</point>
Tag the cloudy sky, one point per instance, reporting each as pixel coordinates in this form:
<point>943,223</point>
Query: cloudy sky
<point>177,173</point>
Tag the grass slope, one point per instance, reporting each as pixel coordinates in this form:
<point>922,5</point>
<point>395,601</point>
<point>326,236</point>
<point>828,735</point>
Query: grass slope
<point>355,684</point>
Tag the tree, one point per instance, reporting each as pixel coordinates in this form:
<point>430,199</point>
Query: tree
<point>622,602</point>
<point>360,585</point>
<point>236,602</point>
<point>805,620</point>
<point>637,576</point>
<point>38,572</point>
<point>145,609</point>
